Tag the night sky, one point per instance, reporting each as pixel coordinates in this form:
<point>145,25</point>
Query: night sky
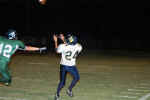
<point>113,24</point>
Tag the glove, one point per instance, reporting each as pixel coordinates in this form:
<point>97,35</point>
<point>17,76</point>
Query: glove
<point>42,49</point>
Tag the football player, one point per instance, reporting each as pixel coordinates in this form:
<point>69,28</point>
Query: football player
<point>69,50</point>
<point>8,46</point>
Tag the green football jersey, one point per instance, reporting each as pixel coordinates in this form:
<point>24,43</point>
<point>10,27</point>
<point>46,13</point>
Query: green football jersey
<point>9,47</point>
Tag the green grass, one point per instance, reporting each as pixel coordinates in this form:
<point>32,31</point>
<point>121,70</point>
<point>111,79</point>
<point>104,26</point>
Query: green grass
<point>103,77</point>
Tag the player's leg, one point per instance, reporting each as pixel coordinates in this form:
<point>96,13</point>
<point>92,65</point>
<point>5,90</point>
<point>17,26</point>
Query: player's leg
<point>62,79</point>
<point>76,77</point>
<point>5,75</point>
<point>9,75</point>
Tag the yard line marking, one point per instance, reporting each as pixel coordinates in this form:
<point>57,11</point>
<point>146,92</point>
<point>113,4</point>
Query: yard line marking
<point>141,87</point>
<point>127,96</point>
<point>34,63</point>
<point>145,97</point>
<point>133,93</point>
<point>137,90</point>
<point>144,84</point>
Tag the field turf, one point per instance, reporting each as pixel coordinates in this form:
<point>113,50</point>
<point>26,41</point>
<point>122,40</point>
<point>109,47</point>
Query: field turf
<point>104,75</point>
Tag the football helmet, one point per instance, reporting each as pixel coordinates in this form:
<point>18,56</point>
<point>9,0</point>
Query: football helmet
<point>71,39</point>
<point>11,34</point>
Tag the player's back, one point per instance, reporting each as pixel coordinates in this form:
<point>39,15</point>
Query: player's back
<point>69,54</point>
<point>8,48</point>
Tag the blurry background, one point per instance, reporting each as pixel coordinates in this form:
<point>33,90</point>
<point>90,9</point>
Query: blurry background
<point>99,26</point>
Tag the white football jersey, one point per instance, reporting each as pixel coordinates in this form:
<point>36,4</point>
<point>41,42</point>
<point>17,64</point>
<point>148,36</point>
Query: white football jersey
<point>69,53</point>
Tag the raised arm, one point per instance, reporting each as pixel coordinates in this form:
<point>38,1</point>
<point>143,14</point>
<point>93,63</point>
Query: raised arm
<point>62,37</point>
<point>55,41</point>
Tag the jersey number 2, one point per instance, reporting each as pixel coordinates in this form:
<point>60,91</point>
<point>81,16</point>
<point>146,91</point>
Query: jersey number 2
<point>6,50</point>
<point>69,55</point>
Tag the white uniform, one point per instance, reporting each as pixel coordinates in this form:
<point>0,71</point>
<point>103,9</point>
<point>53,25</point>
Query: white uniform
<point>69,53</point>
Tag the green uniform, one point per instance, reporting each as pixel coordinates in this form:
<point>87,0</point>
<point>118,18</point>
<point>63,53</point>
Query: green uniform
<point>7,49</point>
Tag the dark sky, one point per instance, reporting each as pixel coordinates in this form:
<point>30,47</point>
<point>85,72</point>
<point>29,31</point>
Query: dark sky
<point>101,19</point>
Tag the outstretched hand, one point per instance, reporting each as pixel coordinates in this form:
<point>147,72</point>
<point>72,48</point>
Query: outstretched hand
<point>43,49</point>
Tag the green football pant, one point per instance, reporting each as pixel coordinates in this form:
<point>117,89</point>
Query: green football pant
<point>5,74</point>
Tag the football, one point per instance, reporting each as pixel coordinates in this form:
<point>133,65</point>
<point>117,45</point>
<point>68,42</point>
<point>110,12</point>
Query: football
<point>42,2</point>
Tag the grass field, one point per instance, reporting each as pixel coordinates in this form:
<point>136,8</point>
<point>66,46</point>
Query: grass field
<point>103,76</point>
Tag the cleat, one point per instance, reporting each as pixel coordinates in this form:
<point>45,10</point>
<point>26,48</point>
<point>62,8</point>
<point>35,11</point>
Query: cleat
<point>4,84</point>
<point>57,97</point>
<point>7,84</point>
<point>69,93</point>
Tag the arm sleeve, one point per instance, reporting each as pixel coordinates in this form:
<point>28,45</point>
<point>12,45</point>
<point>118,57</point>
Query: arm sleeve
<point>80,48</point>
<point>21,45</point>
